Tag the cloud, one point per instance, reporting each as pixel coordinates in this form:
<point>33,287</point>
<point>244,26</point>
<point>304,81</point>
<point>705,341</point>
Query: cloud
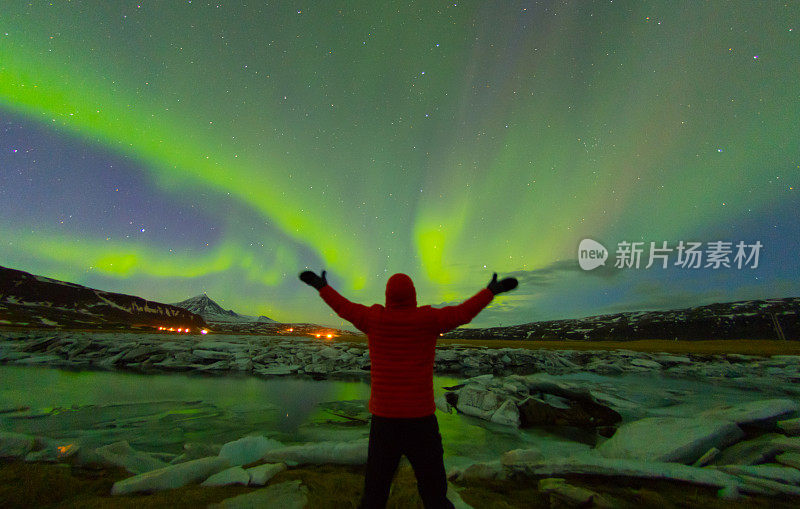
<point>557,271</point>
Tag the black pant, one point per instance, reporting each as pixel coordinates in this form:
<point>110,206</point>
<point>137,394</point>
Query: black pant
<point>420,441</point>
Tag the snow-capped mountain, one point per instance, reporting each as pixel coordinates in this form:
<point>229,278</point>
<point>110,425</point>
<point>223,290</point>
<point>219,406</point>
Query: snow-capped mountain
<point>204,306</point>
<point>27,300</point>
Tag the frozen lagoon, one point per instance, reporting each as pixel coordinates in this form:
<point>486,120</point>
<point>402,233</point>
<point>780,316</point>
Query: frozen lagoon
<point>160,413</point>
<point>177,402</point>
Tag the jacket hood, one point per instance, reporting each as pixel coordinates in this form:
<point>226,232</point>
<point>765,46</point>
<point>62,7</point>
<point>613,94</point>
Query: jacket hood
<point>400,292</point>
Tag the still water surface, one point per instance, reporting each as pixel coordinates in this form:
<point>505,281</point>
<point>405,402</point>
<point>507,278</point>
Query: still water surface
<point>162,412</point>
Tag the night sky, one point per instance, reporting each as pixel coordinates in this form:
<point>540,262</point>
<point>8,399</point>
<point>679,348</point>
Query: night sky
<point>164,149</point>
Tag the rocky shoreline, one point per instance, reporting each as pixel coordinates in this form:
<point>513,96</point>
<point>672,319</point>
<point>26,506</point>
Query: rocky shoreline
<point>269,356</point>
<point>746,446</point>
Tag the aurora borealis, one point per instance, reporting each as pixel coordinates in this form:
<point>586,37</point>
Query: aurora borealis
<point>164,149</point>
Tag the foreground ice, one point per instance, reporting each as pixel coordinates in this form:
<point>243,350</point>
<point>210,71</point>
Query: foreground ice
<point>725,421</point>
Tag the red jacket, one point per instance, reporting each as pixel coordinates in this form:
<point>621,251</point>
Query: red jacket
<point>402,342</point>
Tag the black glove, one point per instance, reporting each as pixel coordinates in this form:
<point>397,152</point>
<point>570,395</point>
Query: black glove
<point>504,285</point>
<point>314,280</point>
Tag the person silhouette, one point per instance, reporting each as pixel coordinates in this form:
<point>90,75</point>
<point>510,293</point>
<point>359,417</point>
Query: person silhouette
<point>401,338</point>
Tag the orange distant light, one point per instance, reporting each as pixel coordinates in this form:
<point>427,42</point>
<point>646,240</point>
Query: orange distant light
<point>291,330</point>
<point>64,449</point>
<point>317,335</point>
<point>330,336</point>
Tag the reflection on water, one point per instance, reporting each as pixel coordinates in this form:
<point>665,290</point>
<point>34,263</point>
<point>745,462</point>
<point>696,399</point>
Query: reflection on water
<point>162,412</point>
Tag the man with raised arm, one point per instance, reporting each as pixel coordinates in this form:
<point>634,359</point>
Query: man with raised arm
<point>401,337</point>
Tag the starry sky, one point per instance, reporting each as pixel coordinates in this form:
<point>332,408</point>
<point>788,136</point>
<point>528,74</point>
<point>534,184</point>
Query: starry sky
<point>166,149</point>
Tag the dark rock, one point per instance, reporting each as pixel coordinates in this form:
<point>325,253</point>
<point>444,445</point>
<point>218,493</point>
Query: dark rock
<point>580,411</point>
<point>39,345</point>
<point>137,354</point>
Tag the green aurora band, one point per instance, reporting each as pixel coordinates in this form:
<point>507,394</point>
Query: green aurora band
<point>443,141</point>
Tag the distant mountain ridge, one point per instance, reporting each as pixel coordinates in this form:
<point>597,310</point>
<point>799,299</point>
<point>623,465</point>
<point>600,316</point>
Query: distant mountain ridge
<point>27,300</point>
<point>748,319</point>
<point>204,306</point>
